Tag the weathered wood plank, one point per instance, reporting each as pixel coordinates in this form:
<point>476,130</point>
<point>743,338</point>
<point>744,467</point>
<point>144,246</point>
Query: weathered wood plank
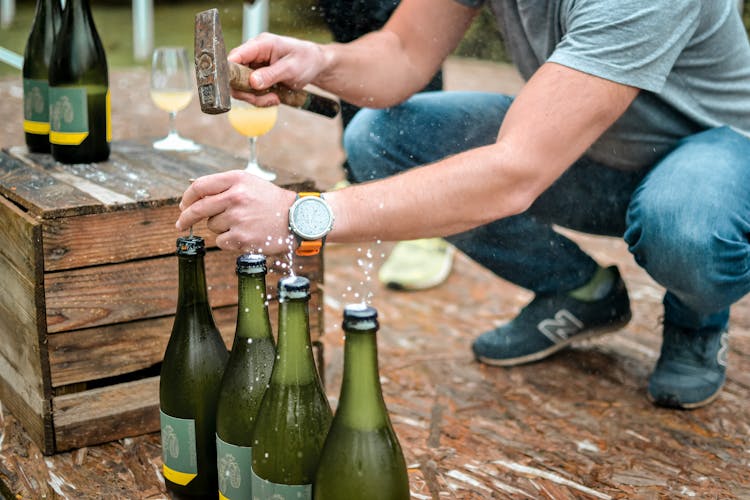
<point>88,240</point>
<point>105,414</point>
<point>102,295</point>
<point>28,185</point>
<point>24,368</point>
<point>135,176</point>
<point>96,353</point>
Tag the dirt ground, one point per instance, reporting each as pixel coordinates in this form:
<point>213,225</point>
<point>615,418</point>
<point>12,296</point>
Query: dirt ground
<point>575,426</point>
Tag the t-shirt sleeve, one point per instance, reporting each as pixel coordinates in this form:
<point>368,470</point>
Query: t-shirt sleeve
<point>631,42</point>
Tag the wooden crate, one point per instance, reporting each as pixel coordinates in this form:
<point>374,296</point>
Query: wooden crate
<point>89,272</point>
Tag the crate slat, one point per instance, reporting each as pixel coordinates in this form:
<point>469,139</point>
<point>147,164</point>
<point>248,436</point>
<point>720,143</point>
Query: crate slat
<point>97,353</point>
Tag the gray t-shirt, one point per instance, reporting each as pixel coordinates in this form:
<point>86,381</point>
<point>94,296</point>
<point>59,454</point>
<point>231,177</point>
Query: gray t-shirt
<point>691,58</point>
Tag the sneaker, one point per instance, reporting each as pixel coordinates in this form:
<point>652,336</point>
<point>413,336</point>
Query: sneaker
<point>552,322</point>
<point>417,264</point>
<point>691,369</point>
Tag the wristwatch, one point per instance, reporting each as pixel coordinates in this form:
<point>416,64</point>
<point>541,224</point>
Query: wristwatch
<point>310,219</point>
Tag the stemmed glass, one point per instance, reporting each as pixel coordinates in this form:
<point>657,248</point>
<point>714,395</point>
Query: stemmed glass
<point>252,122</point>
<point>172,86</point>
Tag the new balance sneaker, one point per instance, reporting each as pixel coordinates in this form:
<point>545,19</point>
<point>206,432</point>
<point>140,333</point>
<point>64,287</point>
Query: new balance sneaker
<point>691,369</point>
<point>552,322</point>
<point>417,264</point>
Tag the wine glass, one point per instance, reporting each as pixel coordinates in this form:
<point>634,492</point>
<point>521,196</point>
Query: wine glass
<point>252,122</point>
<point>171,90</point>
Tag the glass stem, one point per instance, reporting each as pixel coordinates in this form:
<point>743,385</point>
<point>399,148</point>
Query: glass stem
<point>253,160</point>
<point>172,123</point>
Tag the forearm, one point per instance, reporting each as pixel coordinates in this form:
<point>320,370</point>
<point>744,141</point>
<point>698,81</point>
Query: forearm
<point>385,67</point>
<point>448,197</point>
<point>373,71</point>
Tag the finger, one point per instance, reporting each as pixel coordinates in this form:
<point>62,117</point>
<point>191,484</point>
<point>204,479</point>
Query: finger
<point>202,209</point>
<point>219,224</point>
<point>207,186</point>
<point>269,99</point>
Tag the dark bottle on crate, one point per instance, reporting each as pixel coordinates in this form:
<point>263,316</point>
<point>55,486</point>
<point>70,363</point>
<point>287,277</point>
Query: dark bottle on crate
<point>245,380</point>
<point>362,457</point>
<point>189,387</point>
<point>80,126</point>
<point>294,416</point>
<point>36,62</point>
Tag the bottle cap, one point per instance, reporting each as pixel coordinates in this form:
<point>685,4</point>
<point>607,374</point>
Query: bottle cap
<point>191,245</point>
<point>251,263</point>
<point>294,287</point>
<point>360,317</point>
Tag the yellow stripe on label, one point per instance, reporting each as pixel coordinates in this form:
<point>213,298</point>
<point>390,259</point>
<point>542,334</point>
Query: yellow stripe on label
<point>41,128</point>
<point>222,497</point>
<point>67,138</point>
<point>109,118</point>
<point>181,478</point>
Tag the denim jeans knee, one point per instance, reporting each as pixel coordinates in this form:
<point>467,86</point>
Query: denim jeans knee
<point>687,225</point>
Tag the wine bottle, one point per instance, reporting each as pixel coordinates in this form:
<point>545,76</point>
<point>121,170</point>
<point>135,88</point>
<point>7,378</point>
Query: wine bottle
<point>189,386</point>
<point>80,125</point>
<point>294,416</point>
<point>362,457</point>
<point>35,71</point>
<point>245,380</point>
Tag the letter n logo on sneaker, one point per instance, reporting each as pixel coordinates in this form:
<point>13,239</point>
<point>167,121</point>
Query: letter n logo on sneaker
<point>721,356</point>
<point>561,327</point>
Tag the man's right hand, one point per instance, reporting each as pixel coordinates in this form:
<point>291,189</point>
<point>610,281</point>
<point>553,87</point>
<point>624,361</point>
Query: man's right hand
<point>277,59</point>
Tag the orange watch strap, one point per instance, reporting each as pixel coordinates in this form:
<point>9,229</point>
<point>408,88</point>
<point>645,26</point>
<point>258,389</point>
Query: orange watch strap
<point>308,248</point>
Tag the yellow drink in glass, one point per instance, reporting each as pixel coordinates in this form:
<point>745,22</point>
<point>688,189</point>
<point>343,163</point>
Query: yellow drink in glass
<point>171,100</point>
<point>251,121</point>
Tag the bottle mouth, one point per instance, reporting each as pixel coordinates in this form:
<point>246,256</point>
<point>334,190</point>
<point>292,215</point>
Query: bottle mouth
<point>294,287</point>
<point>250,263</point>
<point>360,317</point>
<point>191,245</point>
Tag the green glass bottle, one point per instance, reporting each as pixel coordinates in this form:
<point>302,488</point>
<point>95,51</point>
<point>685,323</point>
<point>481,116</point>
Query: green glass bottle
<point>36,62</point>
<point>190,376</point>
<point>294,416</point>
<point>80,125</point>
<point>245,380</point>
<point>362,457</point>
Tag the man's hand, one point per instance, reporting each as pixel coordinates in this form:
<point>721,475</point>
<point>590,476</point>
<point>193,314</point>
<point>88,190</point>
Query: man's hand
<point>277,59</point>
<point>247,213</point>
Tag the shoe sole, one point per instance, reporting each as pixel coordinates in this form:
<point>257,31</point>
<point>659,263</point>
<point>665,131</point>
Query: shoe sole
<point>594,332</point>
<point>687,406</point>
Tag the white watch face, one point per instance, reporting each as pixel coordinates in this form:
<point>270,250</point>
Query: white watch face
<point>310,218</point>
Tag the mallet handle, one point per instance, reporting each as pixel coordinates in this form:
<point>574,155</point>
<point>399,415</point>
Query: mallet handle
<point>239,78</point>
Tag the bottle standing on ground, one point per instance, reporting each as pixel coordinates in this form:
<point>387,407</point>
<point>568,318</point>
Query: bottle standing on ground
<point>361,455</point>
<point>36,63</point>
<point>190,376</point>
<point>80,126</point>
<point>294,416</point>
<point>245,380</point>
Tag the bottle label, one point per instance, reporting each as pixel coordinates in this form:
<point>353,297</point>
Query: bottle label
<point>68,115</point>
<point>109,117</point>
<point>35,106</point>
<point>235,465</point>
<point>178,448</point>
<point>264,489</point>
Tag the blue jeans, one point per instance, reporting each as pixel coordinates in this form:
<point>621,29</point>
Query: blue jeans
<point>686,219</point>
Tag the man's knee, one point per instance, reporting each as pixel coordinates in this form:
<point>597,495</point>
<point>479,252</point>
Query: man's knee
<point>365,146</point>
<point>691,246</point>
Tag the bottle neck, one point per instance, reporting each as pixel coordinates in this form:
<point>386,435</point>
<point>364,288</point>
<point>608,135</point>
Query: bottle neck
<point>252,308</point>
<point>361,403</point>
<point>192,297</point>
<point>294,363</point>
